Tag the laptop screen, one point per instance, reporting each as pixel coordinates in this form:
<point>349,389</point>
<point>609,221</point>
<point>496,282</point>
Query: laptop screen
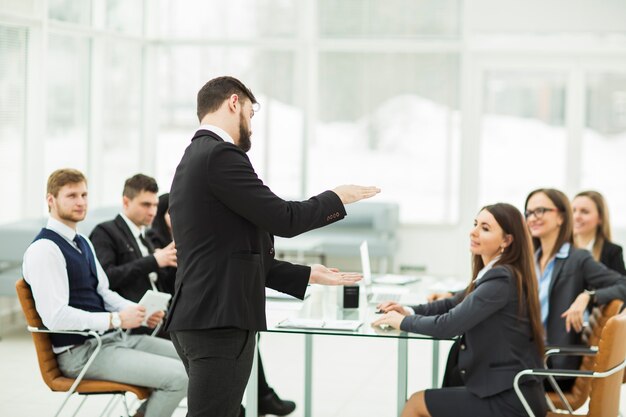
<point>365,263</point>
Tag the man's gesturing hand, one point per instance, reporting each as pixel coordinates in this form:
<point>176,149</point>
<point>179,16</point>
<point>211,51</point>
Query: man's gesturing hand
<point>331,276</point>
<point>353,193</point>
<point>166,256</point>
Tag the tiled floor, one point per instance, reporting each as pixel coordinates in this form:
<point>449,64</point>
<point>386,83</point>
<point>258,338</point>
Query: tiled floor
<point>353,377</point>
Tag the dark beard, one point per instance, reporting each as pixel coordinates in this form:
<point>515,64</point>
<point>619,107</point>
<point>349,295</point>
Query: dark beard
<point>244,136</point>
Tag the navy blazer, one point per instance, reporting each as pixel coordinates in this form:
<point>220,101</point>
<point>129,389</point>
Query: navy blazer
<point>612,256</point>
<point>496,341</point>
<point>223,220</point>
<point>570,277</point>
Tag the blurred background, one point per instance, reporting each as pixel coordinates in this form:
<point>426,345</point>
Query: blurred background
<point>447,105</point>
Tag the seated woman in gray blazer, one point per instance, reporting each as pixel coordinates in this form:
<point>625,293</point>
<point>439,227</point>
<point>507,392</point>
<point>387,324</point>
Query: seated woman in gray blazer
<point>569,278</point>
<point>497,318</point>
<point>592,230</point>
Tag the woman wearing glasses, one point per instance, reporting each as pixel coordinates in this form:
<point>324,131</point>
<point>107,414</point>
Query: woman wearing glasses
<point>497,319</point>
<point>569,278</point>
<point>592,230</point>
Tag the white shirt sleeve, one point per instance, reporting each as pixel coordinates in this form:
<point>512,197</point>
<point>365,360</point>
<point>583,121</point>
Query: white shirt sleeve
<point>45,270</point>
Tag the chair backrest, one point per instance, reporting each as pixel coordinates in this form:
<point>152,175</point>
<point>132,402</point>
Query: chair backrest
<point>605,392</point>
<point>48,365</point>
<point>597,320</point>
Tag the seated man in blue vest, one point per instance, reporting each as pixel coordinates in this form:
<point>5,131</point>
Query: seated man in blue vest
<point>71,292</point>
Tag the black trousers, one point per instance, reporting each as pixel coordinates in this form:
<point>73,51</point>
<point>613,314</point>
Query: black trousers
<point>218,363</point>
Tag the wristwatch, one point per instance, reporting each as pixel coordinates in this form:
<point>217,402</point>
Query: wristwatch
<point>116,321</point>
<point>591,294</point>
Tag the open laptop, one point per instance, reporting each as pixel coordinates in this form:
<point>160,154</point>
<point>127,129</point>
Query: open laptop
<point>401,295</point>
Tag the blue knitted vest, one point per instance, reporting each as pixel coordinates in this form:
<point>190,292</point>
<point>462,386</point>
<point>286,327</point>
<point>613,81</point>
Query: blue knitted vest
<point>83,282</point>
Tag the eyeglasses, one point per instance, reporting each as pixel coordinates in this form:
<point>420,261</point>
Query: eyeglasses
<point>255,108</point>
<point>538,212</point>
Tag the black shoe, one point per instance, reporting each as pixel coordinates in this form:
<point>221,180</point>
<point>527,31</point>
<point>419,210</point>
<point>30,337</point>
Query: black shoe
<point>272,404</point>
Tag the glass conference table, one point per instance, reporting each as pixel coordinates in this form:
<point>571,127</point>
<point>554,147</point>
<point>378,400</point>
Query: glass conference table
<point>322,304</point>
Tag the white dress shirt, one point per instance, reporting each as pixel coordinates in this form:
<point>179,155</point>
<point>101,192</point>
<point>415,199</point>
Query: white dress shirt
<point>44,268</point>
<point>218,131</point>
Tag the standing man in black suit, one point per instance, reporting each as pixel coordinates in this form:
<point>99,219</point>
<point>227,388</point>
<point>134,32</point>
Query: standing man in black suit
<point>128,258</point>
<point>224,218</point>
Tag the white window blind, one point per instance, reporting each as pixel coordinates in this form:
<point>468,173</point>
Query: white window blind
<point>13,46</point>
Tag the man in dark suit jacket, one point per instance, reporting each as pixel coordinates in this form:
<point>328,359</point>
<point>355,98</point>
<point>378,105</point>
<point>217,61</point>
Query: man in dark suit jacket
<point>129,259</point>
<point>223,219</point>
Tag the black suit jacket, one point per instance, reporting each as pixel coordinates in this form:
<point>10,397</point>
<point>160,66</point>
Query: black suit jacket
<point>167,275</point>
<point>570,277</point>
<point>223,220</point>
<point>121,259</point>
<point>613,257</point>
<point>496,340</point>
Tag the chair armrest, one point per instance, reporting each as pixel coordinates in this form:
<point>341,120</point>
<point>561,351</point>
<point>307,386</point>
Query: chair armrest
<point>550,373</point>
<point>569,351</point>
<point>559,372</point>
<point>93,333</point>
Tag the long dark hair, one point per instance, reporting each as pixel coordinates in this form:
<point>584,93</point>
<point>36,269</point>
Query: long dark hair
<point>518,256</point>
<point>561,202</point>
<point>159,229</point>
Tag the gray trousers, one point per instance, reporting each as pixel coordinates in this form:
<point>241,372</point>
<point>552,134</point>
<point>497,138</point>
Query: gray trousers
<point>137,360</point>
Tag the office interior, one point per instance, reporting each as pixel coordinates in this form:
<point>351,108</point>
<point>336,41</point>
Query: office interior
<point>447,105</point>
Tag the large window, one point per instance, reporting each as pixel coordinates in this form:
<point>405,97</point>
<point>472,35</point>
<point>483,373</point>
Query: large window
<point>71,11</point>
<point>389,19</point>
<point>604,141</point>
<point>391,120</point>
<point>121,119</point>
<point>327,116</point>
<point>13,52</point>
<point>67,130</point>
<point>233,19</point>
<point>125,16</point>
<point>277,127</point>
<point>523,143</point>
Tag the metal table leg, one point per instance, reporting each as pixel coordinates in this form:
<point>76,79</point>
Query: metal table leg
<point>308,374</point>
<point>403,371</point>
<point>435,375</point>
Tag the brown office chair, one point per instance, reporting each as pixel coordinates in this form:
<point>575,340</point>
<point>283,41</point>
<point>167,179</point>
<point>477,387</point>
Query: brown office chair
<point>606,375</point>
<point>579,392</point>
<point>49,367</point>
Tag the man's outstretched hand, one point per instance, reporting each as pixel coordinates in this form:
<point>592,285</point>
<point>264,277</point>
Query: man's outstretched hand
<point>332,276</point>
<point>353,193</point>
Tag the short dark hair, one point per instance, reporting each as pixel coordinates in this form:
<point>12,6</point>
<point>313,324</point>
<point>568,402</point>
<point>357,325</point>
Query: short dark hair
<point>213,93</point>
<point>62,177</point>
<point>138,183</point>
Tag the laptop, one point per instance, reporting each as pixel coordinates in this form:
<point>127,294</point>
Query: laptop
<point>377,295</point>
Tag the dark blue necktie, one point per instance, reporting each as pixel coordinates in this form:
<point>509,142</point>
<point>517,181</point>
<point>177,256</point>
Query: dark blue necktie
<point>83,246</point>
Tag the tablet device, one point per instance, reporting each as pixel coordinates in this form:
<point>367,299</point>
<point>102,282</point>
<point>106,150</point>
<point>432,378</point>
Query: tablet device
<point>154,301</point>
